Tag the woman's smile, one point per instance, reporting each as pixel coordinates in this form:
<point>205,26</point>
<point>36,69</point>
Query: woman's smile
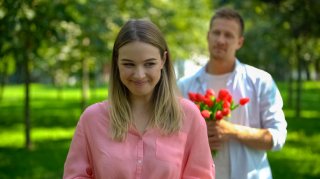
<point>140,67</point>
<point>140,82</point>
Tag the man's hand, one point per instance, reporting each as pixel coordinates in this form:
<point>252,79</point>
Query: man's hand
<point>222,131</point>
<point>219,132</point>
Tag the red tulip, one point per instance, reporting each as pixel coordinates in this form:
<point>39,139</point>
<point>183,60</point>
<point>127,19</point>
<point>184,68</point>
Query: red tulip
<point>208,102</point>
<point>226,111</point>
<point>192,96</point>
<point>200,97</point>
<point>223,94</point>
<point>218,100</point>
<point>219,115</point>
<point>205,114</point>
<point>243,101</point>
<point>210,92</point>
<point>226,104</point>
<point>229,98</point>
<point>222,104</point>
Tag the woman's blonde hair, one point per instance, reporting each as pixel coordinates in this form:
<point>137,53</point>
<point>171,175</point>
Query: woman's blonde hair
<point>166,110</point>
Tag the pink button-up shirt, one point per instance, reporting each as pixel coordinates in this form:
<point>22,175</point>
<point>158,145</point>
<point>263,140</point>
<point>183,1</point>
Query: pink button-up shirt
<point>93,154</point>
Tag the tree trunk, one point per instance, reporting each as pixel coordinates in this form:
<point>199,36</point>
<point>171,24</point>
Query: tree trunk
<point>3,79</point>
<point>290,89</point>
<point>85,83</point>
<point>317,69</point>
<point>1,91</point>
<point>95,87</point>
<point>307,70</point>
<point>299,82</point>
<point>27,102</point>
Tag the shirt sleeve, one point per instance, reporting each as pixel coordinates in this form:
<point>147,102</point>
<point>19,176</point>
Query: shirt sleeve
<point>199,162</point>
<point>181,86</point>
<point>272,114</point>
<point>77,164</point>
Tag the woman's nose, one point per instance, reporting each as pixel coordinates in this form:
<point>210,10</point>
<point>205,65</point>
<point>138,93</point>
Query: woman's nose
<point>139,72</point>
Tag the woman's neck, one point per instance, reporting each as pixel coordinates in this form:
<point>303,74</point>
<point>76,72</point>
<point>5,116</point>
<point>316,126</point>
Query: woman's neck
<point>140,102</point>
<point>141,114</point>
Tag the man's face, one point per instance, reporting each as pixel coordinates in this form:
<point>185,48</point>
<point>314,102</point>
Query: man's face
<point>224,39</point>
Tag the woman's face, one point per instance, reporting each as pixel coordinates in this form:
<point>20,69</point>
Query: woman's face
<point>140,67</point>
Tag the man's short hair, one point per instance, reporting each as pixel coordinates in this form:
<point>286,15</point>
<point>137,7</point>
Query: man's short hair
<point>230,14</point>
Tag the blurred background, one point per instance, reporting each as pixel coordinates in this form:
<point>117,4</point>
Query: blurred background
<point>55,60</point>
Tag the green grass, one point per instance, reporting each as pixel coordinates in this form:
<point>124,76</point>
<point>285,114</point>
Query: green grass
<point>300,157</point>
<point>53,120</point>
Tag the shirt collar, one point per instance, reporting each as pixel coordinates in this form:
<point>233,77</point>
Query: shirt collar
<point>200,75</point>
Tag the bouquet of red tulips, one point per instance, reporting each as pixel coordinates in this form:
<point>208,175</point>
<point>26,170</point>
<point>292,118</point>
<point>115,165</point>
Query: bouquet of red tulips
<point>214,107</point>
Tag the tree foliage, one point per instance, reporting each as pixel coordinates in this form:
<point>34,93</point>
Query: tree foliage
<point>58,40</point>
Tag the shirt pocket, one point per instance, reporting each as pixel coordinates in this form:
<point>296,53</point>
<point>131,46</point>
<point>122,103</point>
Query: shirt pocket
<point>171,148</point>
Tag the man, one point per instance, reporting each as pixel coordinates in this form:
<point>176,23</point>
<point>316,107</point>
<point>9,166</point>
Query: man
<point>243,139</point>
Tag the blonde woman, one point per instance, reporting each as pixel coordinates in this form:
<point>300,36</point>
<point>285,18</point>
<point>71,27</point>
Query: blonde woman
<point>144,130</point>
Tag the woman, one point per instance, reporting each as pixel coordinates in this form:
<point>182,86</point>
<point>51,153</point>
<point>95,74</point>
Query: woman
<point>144,130</point>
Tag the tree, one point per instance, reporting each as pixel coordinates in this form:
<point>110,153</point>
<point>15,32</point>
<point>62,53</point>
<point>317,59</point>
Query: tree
<point>27,25</point>
<point>299,19</point>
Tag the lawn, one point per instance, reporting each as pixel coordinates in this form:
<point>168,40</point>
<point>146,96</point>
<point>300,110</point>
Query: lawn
<point>53,120</point>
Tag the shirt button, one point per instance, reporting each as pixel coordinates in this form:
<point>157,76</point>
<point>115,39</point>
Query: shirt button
<point>139,161</point>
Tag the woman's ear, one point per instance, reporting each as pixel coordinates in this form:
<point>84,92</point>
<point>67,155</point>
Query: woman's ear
<point>164,58</point>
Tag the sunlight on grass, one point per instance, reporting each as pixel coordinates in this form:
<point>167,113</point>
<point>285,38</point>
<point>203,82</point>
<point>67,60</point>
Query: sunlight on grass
<point>43,134</point>
<point>54,119</point>
<point>310,114</point>
<point>16,92</point>
<point>41,91</point>
<point>289,112</point>
<point>301,152</point>
<point>305,113</point>
<point>14,137</point>
<point>13,92</point>
<point>303,160</point>
<point>311,85</point>
<point>310,146</point>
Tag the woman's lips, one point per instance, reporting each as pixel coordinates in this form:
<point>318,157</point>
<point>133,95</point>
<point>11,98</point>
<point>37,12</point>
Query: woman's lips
<point>139,83</point>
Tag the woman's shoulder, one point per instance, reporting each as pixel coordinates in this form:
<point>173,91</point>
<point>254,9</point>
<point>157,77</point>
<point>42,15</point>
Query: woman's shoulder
<point>190,110</point>
<point>192,116</point>
<point>97,107</point>
<point>186,104</point>
<point>96,111</point>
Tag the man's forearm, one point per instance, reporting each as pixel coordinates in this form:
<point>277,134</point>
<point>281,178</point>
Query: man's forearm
<point>260,139</point>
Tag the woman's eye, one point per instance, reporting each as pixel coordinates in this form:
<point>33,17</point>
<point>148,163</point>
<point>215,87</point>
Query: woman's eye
<point>128,64</point>
<point>149,64</point>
